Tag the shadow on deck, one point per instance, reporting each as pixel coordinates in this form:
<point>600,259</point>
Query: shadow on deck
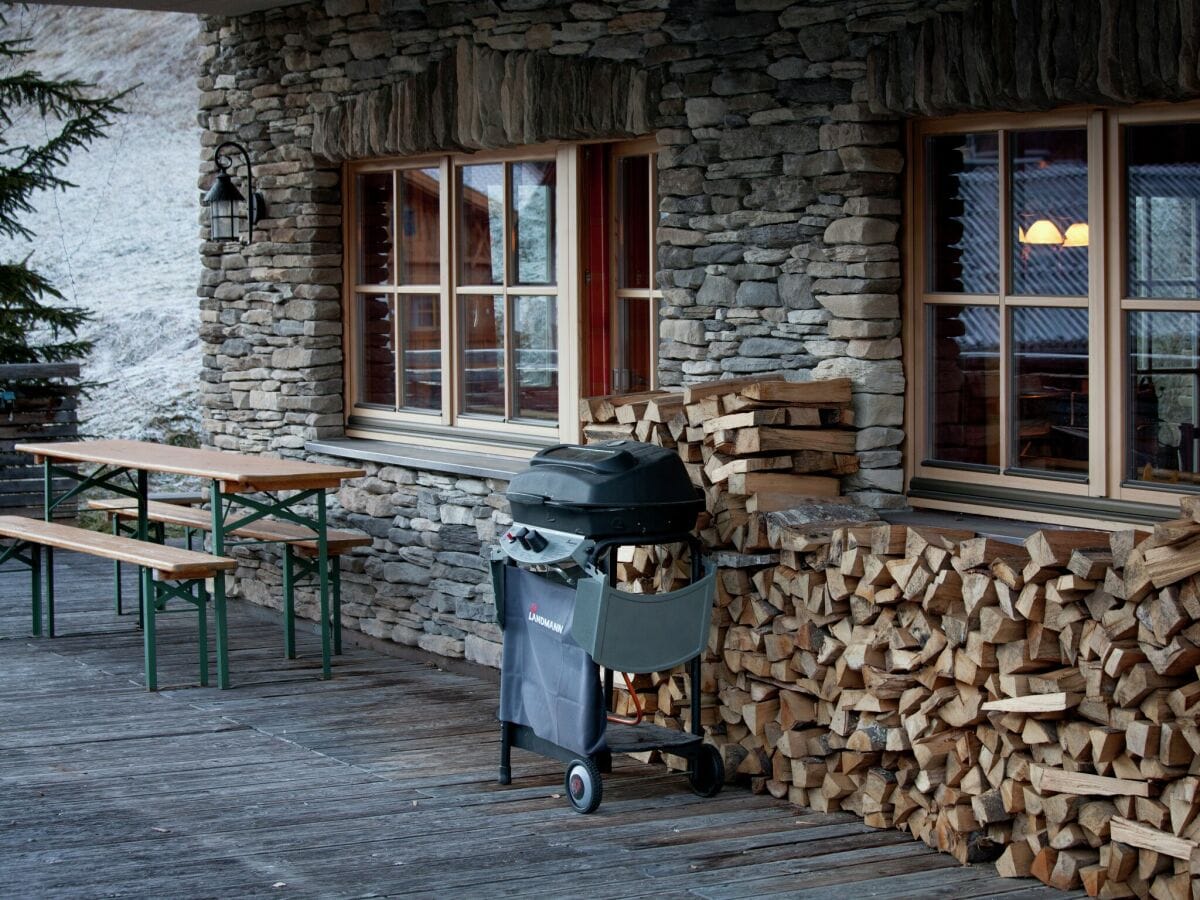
<point>379,782</point>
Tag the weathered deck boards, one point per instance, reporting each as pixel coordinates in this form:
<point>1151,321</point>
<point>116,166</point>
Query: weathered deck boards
<point>380,782</point>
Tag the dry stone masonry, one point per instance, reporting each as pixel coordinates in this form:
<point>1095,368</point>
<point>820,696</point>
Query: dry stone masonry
<point>780,183</point>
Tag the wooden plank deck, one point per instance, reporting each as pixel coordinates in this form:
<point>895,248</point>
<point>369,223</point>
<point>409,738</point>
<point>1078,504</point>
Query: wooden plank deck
<point>380,782</point>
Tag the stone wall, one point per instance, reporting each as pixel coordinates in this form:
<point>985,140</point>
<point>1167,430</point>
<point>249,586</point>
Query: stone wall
<point>780,181</point>
<point>780,193</point>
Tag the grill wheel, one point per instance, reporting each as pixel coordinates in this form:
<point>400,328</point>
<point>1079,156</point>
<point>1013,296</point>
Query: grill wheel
<point>583,786</point>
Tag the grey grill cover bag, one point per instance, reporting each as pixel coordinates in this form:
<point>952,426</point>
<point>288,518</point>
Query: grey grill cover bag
<point>547,681</point>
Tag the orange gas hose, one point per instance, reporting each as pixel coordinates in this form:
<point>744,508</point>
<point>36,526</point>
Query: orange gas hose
<point>625,720</point>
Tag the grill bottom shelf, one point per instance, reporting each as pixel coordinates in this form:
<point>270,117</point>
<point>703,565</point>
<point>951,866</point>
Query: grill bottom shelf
<point>643,738</point>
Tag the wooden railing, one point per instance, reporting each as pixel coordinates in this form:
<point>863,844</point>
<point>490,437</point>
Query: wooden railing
<point>38,402</point>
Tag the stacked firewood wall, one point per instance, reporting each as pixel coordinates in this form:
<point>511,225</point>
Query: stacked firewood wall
<point>1033,703</point>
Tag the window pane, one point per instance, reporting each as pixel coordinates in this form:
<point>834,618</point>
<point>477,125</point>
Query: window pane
<point>633,347</point>
<point>420,238</point>
<point>481,224</point>
<point>483,354</point>
<point>533,208</point>
<point>964,213</point>
<point>1050,377</point>
<point>1162,185</point>
<point>421,330</point>
<point>633,222</point>
<point>1049,213</point>
<point>535,363</point>
<point>376,357</point>
<point>374,199</point>
<point>1164,397</point>
<point>964,384</point>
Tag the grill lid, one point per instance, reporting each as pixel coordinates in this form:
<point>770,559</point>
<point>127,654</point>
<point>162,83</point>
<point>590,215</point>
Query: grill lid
<point>578,487</point>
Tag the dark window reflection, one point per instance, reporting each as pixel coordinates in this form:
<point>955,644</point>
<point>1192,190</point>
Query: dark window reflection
<point>633,342</point>
<point>420,236</point>
<point>964,384</point>
<point>422,341</point>
<point>535,363</point>
<point>482,328</point>
<point>377,361</point>
<point>1050,389</point>
<point>1049,213</point>
<point>1164,397</point>
<point>533,212</point>
<point>481,224</point>
<point>633,221</point>
<point>1162,214</point>
<point>374,199</point>
<point>964,213</point>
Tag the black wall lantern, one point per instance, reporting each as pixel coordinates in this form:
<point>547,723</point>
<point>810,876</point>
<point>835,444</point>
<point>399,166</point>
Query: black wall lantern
<point>224,199</point>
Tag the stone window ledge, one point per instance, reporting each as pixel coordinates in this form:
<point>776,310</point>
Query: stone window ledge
<point>427,459</point>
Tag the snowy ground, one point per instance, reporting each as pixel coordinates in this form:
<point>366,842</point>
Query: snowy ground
<point>124,243</point>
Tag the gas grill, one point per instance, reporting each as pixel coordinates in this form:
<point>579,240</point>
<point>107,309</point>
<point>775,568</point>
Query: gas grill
<point>554,575</point>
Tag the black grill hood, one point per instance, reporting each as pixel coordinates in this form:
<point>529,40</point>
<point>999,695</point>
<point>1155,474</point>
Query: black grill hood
<point>606,490</point>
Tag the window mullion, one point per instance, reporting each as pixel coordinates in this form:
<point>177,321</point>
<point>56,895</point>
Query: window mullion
<point>1099,401</point>
<point>446,290</point>
<point>397,333</point>
<point>1006,408</point>
<point>510,248</point>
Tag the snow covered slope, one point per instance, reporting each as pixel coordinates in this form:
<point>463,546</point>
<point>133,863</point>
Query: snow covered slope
<point>124,241</point>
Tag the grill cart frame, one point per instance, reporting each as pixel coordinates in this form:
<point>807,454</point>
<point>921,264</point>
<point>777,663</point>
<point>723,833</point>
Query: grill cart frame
<point>583,782</point>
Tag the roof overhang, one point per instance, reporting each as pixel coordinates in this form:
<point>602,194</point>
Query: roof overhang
<point>195,7</point>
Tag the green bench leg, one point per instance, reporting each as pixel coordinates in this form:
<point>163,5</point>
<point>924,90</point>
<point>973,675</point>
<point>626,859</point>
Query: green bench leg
<point>336,578</point>
<point>50,591</point>
<point>202,638</point>
<point>116,530</point>
<point>289,604</point>
<point>35,568</point>
<point>149,602</point>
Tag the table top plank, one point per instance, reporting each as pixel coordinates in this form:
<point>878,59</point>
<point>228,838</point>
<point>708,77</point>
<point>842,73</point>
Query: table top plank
<point>236,471</point>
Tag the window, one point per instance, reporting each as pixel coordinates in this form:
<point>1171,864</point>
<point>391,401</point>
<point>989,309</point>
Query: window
<point>1055,317</point>
<point>620,260</point>
<point>460,305</point>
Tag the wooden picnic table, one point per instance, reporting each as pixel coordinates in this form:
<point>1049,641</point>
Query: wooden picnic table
<point>236,483</point>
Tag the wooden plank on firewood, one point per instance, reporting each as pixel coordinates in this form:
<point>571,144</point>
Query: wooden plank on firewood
<point>834,390</point>
<point>1035,703</point>
<point>1060,781</point>
<point>1136,834</point>
<point>775,440</point>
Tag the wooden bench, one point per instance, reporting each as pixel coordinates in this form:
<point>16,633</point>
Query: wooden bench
<point>299,551</point>
<point>167,572</point>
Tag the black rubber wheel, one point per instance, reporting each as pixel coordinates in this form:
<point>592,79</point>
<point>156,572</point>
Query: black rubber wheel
<point>583,785</point>
<point>706,776</point>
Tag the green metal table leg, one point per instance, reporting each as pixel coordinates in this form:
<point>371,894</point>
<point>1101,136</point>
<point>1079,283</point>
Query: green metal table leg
<point>35,568</point>
<point>218,539</point>
<point>202,634</point>
<point>289,604</point>
<point>323,575</point>
<point>336,575</point>
<point>50,591</point>
<point>116,530</point>
<point>148,636</point>
<point>187,533</point>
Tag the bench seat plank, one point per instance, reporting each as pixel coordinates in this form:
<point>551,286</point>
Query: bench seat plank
<point>170,563</point>
<point>263,530</point>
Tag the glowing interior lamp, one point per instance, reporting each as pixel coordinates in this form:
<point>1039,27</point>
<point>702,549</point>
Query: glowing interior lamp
<point>1076,235</point>
<point>1043,231</point>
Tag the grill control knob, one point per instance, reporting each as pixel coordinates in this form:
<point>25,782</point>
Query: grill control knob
<point>536,542</point>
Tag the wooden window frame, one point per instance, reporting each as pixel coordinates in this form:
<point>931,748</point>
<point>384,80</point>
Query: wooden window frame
<point>1106,305</point>
<point>449,427</point>
<point>623,150</point>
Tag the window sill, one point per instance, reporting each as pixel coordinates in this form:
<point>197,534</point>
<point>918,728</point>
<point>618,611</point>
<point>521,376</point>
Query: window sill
<point>426,459</point>
<point>1031,504</point>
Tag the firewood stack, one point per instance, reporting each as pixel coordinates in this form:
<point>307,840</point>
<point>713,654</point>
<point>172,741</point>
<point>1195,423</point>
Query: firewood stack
<point>753,445</point>
<point>1033,703</point>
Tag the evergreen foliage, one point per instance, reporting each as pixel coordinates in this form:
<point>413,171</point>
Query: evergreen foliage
<point>34,328</point>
